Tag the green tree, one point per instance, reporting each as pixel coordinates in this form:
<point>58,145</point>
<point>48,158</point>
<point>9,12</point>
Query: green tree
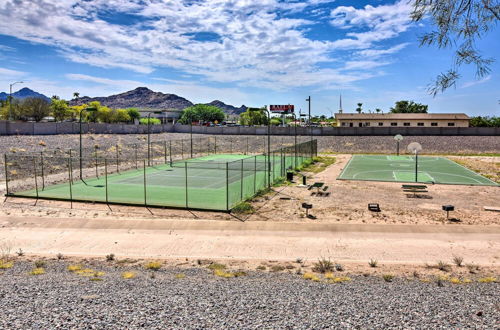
<point>59,109</point>
<point>152,121</point>
<point>120,116</point>
<point>458,25</point>
<point>105,115</point>
<point>378,110</point>
<point>253,117</point>
<point>275,121</point>
<point>409,107</point>
<point>35,107</point>
<point>202,112</point>
<point>359,109</point>
<point>133,113</point>
<point>485,121</point>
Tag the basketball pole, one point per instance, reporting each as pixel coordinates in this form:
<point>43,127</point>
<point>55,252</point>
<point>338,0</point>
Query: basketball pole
<point>416,166</point>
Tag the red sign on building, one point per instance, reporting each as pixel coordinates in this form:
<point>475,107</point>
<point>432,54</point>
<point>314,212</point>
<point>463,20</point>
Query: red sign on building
<point>286,108</point>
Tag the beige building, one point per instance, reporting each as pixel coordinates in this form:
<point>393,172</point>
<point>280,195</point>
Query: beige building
<point>402,119</point>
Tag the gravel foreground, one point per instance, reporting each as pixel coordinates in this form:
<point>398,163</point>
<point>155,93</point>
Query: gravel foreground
<point>61,299</point>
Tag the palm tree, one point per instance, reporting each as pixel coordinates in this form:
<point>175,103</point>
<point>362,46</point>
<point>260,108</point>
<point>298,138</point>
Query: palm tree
<point>358,109</point>
<point>377,110</point>
<point>76,95</point>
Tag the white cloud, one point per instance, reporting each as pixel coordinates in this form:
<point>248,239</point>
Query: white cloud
<point>374,53</point>
<point>7,73</point>
<point>258,44</point>
<point>382,22</point>
<point>476,82</point>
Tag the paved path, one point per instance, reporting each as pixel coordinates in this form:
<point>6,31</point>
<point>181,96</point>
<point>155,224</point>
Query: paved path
<point>251,240</point>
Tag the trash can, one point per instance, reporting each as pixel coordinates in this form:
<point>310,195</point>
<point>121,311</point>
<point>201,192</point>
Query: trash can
<point>289,176</point>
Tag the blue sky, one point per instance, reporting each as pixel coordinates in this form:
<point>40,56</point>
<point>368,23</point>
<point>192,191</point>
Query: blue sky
<point>238,51</point>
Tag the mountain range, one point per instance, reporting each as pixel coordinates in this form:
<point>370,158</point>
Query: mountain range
<point>22,94</point>
<point>141,97</point>
<point>144,98</point>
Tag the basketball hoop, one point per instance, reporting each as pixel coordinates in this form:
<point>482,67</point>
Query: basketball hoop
<point>415,148</point>
<point>398,139</point>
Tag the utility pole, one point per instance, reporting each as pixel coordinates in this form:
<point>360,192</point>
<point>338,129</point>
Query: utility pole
<point>10,98</point>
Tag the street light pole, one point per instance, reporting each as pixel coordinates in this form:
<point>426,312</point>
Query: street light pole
<point>295,139</point>
<point>310,127</point>
<point>91,109</point>
<point>10,98</point>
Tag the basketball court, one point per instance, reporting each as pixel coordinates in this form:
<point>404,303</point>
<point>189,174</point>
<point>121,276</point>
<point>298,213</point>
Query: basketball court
<point>402,169</point>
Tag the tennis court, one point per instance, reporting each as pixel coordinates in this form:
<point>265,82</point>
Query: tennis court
<point>402,169</point>
<point>211,182</point>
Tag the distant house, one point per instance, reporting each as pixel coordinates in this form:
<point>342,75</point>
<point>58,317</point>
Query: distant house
<point>402,119</point>
<point>166,115</point>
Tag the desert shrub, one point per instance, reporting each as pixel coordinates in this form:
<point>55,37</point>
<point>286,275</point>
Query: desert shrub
<point>59,256</point>
<point>443,266</point>
<point>4,264</point>
<point>223,273</point>
<point>215,266</point>
<point>388,277</point>
<point>373,263</point>
<point>128,275</point>
<point>39,264</point>
<point>489,279</point>
<point>299,260</point>
<point>339,267</point>
<point>277,268</point>
<point>339,279</point>
<point>455,280</point>
<point>20,252</point>
<point>311,277</point>
<point>261,267</point>
<point>153,265</point>
<point>457,260</point>
<point>323,266</point>
<point>110,257</point>
<point>74,268</point>
<point>239,273</point>
<point>37,271</point>
<point>180,276</point>
<point>243,208</point>
<point>473,269</point>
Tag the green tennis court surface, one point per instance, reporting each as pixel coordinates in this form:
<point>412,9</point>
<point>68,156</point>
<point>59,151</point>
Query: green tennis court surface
<point>402,169</point>
<point>214,182</point>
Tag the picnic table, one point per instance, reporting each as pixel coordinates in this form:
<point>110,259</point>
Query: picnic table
<point>318,186</point>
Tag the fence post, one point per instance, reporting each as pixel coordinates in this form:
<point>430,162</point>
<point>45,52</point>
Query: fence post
<point>227,186</point>
<point>215,145</point>
<point>242,177</point>
<point>145,193</point>
<point>43,172</point>
<point>186,177</point>
<point>70,162</point>
<point>255,174</point>
<point>135,152</point>
<point>96,164</point>
<point>165,150</point>
<point>70,183</point>
<point>6,174</point>
<point>34,172</point>
<point>106,177</point>
<point>170,151</point>
<point>117,159</point>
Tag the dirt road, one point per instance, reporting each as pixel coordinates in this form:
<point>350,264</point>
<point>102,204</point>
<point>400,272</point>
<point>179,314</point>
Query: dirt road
<point>171,239</point>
